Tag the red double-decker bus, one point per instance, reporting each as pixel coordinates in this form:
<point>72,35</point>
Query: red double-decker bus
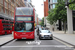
<point>24,23</point>
<point>6,26</point>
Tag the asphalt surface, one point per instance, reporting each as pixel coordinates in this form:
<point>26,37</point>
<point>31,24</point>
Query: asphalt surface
<point>35,45</point>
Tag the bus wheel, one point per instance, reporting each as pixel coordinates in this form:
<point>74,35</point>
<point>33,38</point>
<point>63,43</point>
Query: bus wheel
<point>5,33</point>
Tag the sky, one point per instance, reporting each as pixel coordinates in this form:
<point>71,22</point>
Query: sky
<point>39,7</point>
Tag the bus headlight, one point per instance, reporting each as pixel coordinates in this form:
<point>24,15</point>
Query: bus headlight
<point>15,34</point>
<point>31,34</point>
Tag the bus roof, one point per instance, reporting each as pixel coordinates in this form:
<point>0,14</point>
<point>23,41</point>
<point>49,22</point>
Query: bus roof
<point>25,7</point>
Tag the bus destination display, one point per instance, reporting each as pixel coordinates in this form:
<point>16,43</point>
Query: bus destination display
<point>23,19</point>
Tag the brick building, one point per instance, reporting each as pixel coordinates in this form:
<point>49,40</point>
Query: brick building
<point>7,8</point>
<point>46,9</point>
<point>48,4</point>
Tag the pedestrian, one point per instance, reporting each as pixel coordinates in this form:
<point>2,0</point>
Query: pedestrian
<point>38,31</point>
<point>53,28</point>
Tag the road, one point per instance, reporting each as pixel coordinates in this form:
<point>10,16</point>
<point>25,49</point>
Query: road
<point>36,45</point>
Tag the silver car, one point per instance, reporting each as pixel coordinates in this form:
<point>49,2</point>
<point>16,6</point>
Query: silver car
<point>45,34</point>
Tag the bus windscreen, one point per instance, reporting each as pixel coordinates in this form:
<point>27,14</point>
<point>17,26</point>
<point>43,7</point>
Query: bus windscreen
<point>24,27</point>
<point>24,11</point>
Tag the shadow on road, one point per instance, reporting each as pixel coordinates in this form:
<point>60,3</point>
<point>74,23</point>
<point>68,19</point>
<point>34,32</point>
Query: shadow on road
<point>5,35</point>
<point>25,40</point>
<point>45,39</point>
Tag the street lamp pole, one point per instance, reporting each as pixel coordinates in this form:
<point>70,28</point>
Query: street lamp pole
<point>69,18</point>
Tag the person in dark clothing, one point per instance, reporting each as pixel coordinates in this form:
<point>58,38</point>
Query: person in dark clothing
<point>38,31</point>
<point>53,28</point>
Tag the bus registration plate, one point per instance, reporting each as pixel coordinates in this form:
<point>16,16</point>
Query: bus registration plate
<point>23,38</point>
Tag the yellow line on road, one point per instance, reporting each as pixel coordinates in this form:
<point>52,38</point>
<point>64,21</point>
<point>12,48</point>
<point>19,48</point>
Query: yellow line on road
<point>64,43</point>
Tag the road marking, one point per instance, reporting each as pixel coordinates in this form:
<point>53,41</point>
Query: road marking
<point>33,42</point>
<point>57,46</point>
<point>63,43</point>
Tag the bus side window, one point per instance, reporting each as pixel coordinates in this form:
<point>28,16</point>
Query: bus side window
<point>3,21</point>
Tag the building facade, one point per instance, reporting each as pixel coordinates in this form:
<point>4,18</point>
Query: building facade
<point>46,9</point>
<point>49,4</point>
<point>7,8</point>
<point>28,3</point>
<point>70,19</point>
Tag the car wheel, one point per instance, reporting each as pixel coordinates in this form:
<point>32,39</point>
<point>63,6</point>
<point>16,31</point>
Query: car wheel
<point>52,38</point>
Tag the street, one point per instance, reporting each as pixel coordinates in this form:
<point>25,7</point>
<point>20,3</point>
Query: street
<point>36,45</point>
<point>37,24</point>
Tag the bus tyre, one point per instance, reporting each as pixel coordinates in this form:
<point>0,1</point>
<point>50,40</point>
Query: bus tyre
<point>5,33</point>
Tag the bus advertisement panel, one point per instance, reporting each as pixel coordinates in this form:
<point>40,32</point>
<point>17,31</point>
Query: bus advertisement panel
<point>24,23</point>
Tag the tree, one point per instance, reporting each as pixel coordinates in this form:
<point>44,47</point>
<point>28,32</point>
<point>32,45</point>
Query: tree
<point>50,18</point>
<point>58,13</point>
<point>42,22</point>
<point>72,4</point>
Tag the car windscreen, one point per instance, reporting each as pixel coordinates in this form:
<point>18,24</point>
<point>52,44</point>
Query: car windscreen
<point>45,31</point>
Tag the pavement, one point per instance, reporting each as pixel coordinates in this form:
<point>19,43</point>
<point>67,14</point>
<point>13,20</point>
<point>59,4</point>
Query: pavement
<point>5,39</point>
<point>69,38</point>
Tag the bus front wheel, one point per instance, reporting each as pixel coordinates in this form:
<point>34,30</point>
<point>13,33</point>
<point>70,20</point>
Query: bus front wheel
<point>5,33</point>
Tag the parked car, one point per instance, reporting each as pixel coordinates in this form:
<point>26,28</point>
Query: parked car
<point>45,34</point>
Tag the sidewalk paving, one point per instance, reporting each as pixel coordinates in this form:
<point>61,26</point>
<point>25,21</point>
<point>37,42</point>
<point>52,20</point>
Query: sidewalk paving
<point>5,38</point>
<point>70,38</point>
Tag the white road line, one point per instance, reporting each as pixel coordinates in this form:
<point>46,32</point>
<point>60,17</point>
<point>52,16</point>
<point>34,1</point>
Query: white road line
<point>58,46</point>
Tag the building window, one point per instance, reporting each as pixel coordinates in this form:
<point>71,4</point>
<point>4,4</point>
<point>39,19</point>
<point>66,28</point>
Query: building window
<point>12,1</point>
<point>10,13</point>
<point>53,6</point>
<point>49,6</point>
<point>54,1</point>
<point>49,0</point>
<point>25,0</point>
<point>1,1</point>
<point>5,4</point>
<point>6,11</point>
<point>29,0</point>
<point>1,9</point>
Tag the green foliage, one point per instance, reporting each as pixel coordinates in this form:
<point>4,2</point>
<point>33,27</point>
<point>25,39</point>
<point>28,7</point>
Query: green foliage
<point>51,17</point>
<point>42,22</point>
<point>72,5</point>
<point>59,12</point>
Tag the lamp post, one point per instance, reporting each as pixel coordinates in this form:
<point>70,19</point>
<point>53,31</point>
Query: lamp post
<point>69,18</point>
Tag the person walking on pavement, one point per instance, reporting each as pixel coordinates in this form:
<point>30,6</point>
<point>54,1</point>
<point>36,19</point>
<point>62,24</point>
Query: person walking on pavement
<point>53,28</point>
